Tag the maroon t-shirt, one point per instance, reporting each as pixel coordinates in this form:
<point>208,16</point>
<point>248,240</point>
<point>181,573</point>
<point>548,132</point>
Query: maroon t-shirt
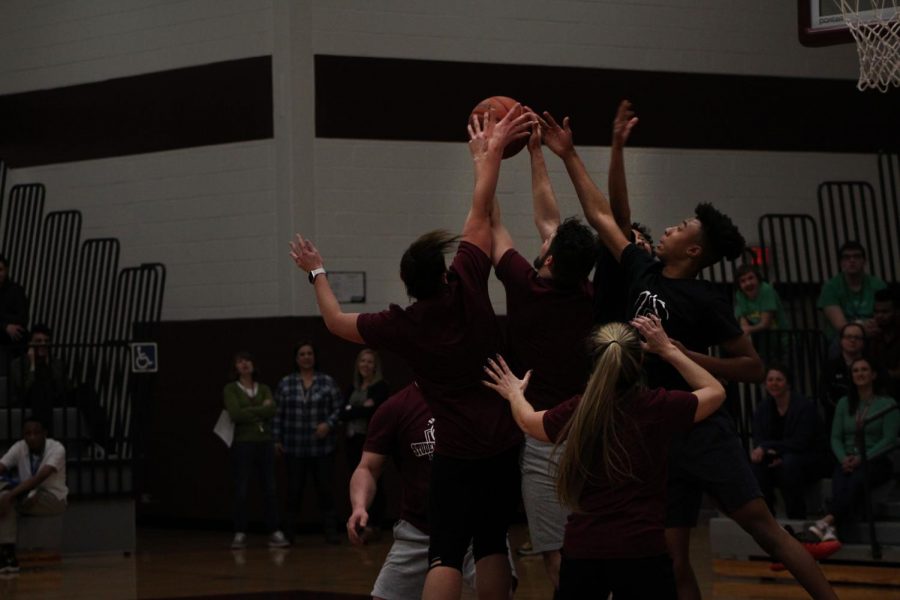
<point>447,340</point>
<point>626,519</point>
<point>403,428</point>
<point>547,327</point>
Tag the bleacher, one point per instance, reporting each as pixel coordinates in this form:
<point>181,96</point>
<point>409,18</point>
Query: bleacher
<point>797,254</point>
<point>93,306</point>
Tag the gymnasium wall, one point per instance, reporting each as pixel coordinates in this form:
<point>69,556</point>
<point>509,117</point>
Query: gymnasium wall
<point>218,215</point>
<point>348,173</point>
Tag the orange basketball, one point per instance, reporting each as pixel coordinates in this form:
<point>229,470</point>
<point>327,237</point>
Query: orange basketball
<point>501,106</point>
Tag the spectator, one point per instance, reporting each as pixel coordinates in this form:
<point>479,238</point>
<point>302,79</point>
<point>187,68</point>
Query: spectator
<point>758,309</point>
<point>251,407</point>
<point>309,404</point>
<point>836,381</point>
<point>13,316</point>
<point>37,379</point>
<point>849,296</point>
<point>788,435</point>
<point>41,465</point>
<point>369,391</point>
<point>885,343</point>
<point>850,427</point>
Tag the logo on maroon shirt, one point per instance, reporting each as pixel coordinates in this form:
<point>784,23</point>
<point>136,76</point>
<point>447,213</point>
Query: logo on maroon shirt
<point>648,303</point>
<point>425,449</point>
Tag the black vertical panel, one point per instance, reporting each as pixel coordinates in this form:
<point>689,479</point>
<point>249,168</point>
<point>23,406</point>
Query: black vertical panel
<point>792,243</point>
<point>2,186</point>
<point>22,233</point>
<point>889,182</point>
<point>848,211</point>
<point>56,260</point>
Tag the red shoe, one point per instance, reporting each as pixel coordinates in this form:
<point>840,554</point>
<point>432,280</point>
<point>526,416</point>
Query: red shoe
<point>818,550</point>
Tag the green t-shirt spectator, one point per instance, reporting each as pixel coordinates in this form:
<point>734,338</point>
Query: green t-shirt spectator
<point>880,434</point>
<point>857,306</point>
<point>767,300</point>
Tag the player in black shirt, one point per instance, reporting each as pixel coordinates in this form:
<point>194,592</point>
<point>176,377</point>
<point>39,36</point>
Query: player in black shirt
<point>710,457</point>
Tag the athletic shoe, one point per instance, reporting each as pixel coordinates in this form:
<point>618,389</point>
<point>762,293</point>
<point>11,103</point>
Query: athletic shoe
<point>9,564</point>
<point>823,531</point>
<point>239,542</point>
<point>277,540</point>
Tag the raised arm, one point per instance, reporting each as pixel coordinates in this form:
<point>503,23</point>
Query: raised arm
<point>363,485</point>
<point>618,189</point>
<point>341,324</point>
<point>710,393</point>
<point>505,383</point>
<point>546,209</point>
<point>487,139</point>
<point>596,207</point>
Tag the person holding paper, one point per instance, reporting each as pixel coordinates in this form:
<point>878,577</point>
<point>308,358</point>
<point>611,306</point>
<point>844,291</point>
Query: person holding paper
<point>251,407</point>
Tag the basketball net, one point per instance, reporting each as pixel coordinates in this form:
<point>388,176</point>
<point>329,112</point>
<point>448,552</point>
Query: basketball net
<point>877,36</point>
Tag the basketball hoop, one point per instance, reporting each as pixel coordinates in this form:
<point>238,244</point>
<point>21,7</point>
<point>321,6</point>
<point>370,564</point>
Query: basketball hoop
<point>875,26</point>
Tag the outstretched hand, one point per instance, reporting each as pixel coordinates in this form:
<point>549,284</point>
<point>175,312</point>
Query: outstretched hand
<point>503,381</point>
<point>535,139</point>
<point>487,135</point>
<point>655,338</point>
<point>557,138</point>
<point>623,123</point>
<point>305,254</point>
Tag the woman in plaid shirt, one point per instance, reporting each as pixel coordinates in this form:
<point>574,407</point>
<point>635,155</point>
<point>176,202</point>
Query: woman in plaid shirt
<point>308,403</point>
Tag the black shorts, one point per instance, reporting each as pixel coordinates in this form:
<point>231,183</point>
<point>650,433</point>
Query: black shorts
<point>711,459</point>
<point>626,578</point>
<point>471,501</point>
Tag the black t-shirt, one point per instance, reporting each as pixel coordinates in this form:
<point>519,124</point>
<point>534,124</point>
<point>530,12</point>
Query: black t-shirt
<point>693,312</point>
<point>610,297</point>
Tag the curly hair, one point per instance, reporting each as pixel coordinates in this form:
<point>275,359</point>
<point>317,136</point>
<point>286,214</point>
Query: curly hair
<point>423,266</point>
<point>573,249</point>
<point>721,237</point>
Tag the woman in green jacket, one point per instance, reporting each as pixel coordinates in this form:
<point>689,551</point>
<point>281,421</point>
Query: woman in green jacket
<point>251,407</point>
<point>849,426</point>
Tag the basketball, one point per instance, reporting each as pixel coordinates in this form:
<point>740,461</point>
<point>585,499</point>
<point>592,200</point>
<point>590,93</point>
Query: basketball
<point>501,106</point>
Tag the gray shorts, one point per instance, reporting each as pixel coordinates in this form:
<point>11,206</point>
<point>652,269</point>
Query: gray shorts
<point>402,576</point>
<point>546,516</point>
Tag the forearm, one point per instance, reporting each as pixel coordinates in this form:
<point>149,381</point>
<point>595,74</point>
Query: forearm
<point>835,316</point>
<point>618,189</point>
<point>734,368</point>
<point>694,373</point>
<point>595,206</point>
<point>529,421</point>
<point>337,321</point>
<point>546,210</point>
<point>363,485</point>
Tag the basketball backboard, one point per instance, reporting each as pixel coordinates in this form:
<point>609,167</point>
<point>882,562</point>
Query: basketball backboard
<point>820,22</point>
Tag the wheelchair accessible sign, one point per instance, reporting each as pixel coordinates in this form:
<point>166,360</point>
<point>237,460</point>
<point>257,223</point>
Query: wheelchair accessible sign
<point>144,357</point>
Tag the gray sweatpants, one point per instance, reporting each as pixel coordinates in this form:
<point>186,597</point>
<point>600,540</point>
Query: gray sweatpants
<point>38,503</point>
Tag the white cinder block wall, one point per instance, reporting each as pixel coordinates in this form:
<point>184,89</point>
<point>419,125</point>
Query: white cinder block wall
<point>219,216</point>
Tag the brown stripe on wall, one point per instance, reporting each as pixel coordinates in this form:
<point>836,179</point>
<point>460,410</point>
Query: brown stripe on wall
<point>197,106</point>
<point>394,99</point>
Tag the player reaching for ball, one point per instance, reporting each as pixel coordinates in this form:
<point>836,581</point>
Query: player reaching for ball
<point>612,472</point>
<point>549,317</point>
<point>710,456</point>
<point>445,335</point>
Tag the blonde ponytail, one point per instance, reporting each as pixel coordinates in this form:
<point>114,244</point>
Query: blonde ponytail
<point>594,432</point>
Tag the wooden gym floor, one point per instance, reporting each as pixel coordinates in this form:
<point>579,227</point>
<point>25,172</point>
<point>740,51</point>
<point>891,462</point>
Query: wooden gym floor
<point>191,564</point>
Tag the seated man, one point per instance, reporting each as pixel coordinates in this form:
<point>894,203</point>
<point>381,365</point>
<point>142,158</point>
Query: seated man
<point>41,464</point>
<point>849,296</point>
<point>37,379</point>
